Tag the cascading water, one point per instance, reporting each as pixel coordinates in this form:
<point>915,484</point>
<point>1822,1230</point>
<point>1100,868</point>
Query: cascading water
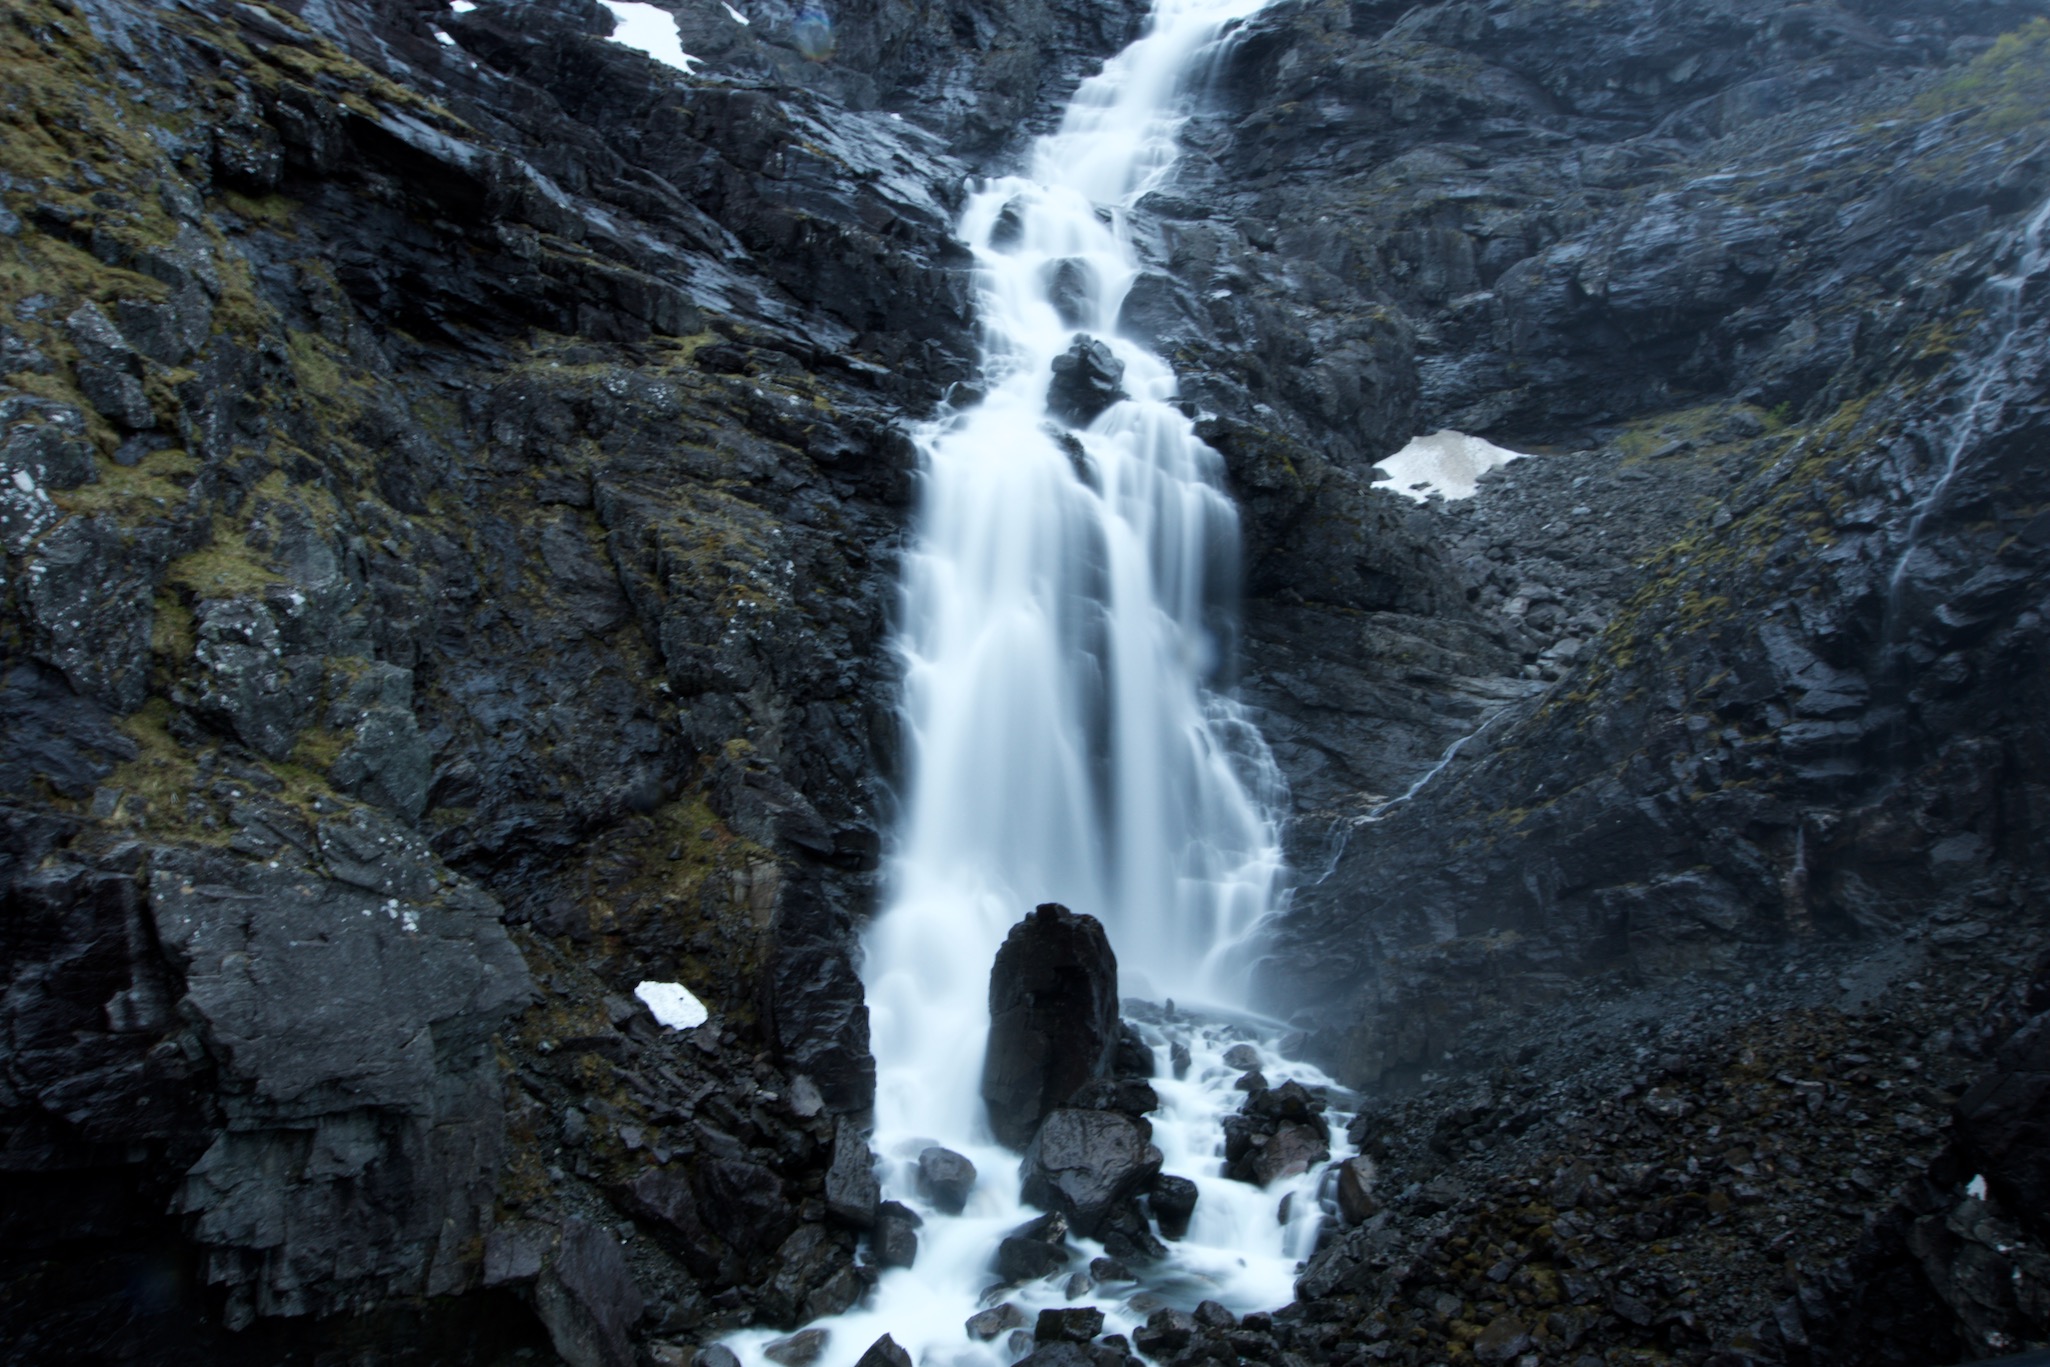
<point>1062,613</point>
<point>2006,299</point>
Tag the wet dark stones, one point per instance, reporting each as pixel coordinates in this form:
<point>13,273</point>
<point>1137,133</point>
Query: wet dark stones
<point>1084,1164</point>
<point>1087,378</point>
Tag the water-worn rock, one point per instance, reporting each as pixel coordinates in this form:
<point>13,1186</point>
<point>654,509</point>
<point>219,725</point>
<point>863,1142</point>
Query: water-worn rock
<point>884,1352</point>
<point>945,1178</point>
<point>987,1324</point>
<point>852,1190</point>
<point>1173,1200</point>
<point>1068,1324</point>
<point>1053,1004</point>
<point>896,1234</point>
<point>1083,1164</point>
<point>1087,378</point>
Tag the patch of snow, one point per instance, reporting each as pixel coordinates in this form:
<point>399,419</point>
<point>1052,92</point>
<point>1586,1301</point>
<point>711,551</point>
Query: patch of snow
<point>1446,463</point>
<point>737,15</point>
<point>673,1005</point>
<point>461,6</point>
<point>443,39</point>
<point>1976,1188</point>
<point>653,31</point>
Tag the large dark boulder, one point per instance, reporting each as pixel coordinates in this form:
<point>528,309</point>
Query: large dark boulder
<point>1087,378</point>
<point>945,1178</point>
<point>1053,1007</point>
<point>1084,1164</point>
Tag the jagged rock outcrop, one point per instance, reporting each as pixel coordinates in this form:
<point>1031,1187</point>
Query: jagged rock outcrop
<point>450,467</point>
<point>1054,1027</point>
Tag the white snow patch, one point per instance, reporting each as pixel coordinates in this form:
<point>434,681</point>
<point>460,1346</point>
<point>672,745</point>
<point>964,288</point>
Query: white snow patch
<point>737,15</point>
<point>1446,463</point>
<point>1976,1188</point>
<point>650,30</point>
<point>673,1005</point>
<point>443,39</point>
<point>461,6</point>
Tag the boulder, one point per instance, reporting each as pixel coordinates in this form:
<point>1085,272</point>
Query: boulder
<point>1356,1202</point>
<point>1087,378</point>
<point>895,1239</point>
<point>852,1191</point>
<point>945,1178</point>
<point>662,1198</point>
<point>1071,288</point>
<point>1174,1202</point>
<point>1292,1150</point>
<point>1053,1005</point>
<point>987,1324</point>
<point>1068,1324</point>
<point>799,1349</point>
<point>1027,1260</point>
<point>587,1298</point>
<point>884,1352</point>
<point>1084,1163</point>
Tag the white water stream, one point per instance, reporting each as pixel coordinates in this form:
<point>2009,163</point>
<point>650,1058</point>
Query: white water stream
<point>2006,300</point>
<point>1061,617</point>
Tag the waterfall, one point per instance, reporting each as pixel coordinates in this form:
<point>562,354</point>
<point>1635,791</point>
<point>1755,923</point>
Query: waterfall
<point>1065,609</point>
<point>2006,300</point>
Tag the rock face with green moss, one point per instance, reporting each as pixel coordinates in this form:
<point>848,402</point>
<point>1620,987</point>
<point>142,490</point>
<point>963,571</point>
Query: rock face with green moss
<point>452,471</point>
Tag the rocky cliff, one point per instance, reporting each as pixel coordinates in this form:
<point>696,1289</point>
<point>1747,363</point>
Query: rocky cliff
<point>453,469</point>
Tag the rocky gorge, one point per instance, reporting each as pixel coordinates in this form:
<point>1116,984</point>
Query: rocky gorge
<point>456,477</point>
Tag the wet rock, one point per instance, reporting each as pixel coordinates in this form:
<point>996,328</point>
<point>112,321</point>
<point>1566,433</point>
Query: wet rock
<point>945,1178</point>
<point>1174,1202</point>
<point>1028,1260</point>
<point>1166,1331</point>
<point>852,1191</point>
<point>1071,287</point>
<point>1214,1315</point>
<point>1053,1018</point>
<point>884,1352</point>
<point>1087,378</point>
<point>588,1299</point>
<point>896,1234</point>
<point>1084,1163</point>
<point>1356,1201</point>
<point>1068,1324</point>
<point>1243,1057</point>
<point>987,1324</point>
<point>799,1349</point>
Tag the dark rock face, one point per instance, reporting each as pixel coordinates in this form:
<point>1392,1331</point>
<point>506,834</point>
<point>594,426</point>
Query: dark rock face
<point>1054,1027</point>
<point>588,1300</point>
<point>450,492</point>
<point>1087,378</point>
<point>1084,1164</point>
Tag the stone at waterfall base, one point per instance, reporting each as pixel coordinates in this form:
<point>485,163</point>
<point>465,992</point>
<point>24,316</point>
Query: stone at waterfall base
<point>945,1178</point>
<point>1054,1027</point>
<point>1084,1164</point>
